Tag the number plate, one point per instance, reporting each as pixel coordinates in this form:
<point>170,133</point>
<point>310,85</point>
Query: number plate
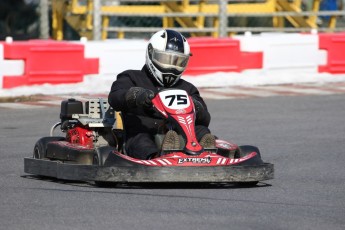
<point>175,99</point>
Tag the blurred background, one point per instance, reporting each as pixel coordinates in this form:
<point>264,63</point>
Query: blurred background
<point>107,19</point>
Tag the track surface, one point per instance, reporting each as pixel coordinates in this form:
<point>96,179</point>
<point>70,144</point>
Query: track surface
<point>304,136</point>
<point>234,92</point>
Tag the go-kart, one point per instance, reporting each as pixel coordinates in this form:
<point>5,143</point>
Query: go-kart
<point>92,148</point>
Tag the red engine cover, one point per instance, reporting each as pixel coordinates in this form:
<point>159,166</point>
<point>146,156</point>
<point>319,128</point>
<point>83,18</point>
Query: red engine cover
<point>80,136</point>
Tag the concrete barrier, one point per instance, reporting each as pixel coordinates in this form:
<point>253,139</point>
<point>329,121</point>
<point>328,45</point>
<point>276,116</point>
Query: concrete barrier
<point>117,55</point>
<point>220,55</point>
<point>48,62</point>
<point>38,62</point>
<point>334,45</point>
<point>285,52</point>
<point>9,67</point>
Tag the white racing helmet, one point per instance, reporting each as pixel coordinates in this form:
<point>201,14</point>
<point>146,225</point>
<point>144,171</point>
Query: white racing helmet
<point>167,56</point>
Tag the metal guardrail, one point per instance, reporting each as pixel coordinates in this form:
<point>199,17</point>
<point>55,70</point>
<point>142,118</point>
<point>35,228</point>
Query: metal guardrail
<point>223,16</point>
<point>222,29</point>
<point>44,18</point>
<point>228,29</point>
<point>278,14</point>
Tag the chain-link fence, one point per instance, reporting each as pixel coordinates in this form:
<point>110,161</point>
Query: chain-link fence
<point>19,19</point>
<point>220,17</point>
<point>104,19</point>
<point>224,17</point>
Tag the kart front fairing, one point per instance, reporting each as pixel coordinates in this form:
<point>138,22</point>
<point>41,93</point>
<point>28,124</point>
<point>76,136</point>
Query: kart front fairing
<point>93,150</point>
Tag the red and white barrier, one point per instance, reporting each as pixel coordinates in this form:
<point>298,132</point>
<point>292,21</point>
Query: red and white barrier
<point>38,61</point>
<point>116,56</point>
<point>285,52</point>
<point>9,67</point>
<point>220,55</point>
<point>45,62</point>
<point>334,44</point>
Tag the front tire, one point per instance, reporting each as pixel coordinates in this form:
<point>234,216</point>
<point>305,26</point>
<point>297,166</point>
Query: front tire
<point>99,157</point>
<point>247,184</point>
<point>101,154</point>
<point>245,150</point>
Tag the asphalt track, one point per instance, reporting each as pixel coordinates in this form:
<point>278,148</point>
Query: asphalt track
<point>304,136</point>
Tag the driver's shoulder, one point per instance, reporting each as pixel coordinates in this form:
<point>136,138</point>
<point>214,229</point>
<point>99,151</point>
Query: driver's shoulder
<point>185,85</point>
<point>130,73</point>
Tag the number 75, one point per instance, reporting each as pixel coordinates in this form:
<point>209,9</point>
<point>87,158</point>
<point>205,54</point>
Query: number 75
<point>180,99</point>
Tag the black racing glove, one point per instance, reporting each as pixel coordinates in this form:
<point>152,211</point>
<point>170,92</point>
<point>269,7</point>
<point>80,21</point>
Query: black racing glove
<point>199,108</point>
<point>202,115</point>
<point>139,97</point>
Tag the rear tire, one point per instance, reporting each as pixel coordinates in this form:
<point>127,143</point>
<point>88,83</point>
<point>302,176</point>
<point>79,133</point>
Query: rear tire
<point>40,149</point>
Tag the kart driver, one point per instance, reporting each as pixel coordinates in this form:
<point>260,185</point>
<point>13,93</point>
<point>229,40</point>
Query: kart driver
<point>167,56</point>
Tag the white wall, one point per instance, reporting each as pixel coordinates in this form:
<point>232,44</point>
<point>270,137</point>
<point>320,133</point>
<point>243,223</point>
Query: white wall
<point>286,52</point>
<point>10,67</point>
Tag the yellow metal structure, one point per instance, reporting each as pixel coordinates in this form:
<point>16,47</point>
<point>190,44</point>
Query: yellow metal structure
<point>295,6</point>
<point>80,17</point>
<point>204,7</point>
<point>119,122</point>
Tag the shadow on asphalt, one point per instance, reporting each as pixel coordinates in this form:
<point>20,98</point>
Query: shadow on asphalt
<point>148,185</point>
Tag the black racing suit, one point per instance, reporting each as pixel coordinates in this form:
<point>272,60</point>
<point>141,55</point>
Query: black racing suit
<point>141,125</point>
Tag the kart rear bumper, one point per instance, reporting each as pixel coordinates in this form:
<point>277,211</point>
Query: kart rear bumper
<point>139,173</point>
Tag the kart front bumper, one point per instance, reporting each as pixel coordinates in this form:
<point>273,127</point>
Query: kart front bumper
<point>139,173</point>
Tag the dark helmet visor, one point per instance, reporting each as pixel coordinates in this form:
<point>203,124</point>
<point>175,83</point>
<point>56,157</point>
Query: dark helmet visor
<point>170,60</point>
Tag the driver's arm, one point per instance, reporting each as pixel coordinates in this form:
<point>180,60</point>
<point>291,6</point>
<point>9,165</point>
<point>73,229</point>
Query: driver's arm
<point>117,95</point>
<point>124,95</point>
<point>203,117</point>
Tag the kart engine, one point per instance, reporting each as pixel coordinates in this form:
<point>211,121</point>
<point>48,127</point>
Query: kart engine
<point>90,128</point>
<point>81,136</point>
<point>76,133</point>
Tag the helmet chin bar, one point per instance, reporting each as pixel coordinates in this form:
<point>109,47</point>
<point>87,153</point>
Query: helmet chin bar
<point>169,79</point>
<point>166,77</point>
<point>166,80</point>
